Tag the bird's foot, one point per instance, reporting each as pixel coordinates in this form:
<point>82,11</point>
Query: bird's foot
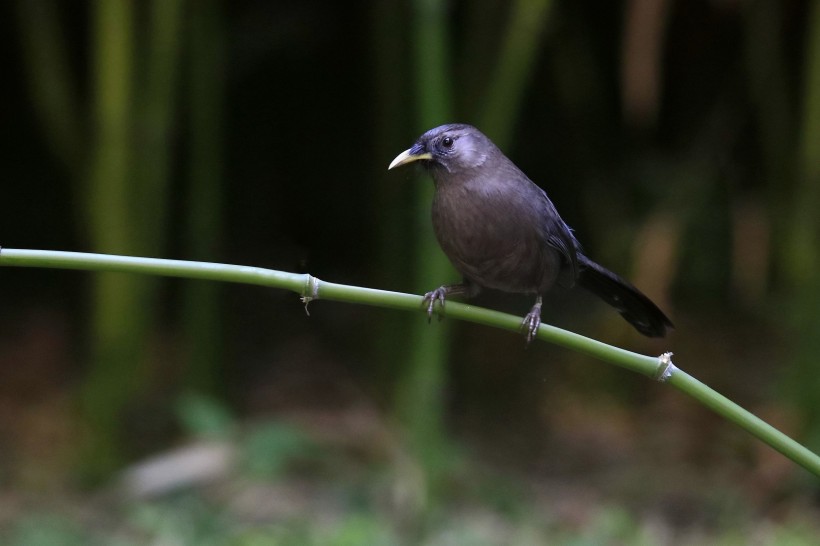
<point>431,298</point>
<point>531,322</point>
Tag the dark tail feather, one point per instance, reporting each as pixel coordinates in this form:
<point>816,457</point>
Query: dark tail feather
<point>636,308</point>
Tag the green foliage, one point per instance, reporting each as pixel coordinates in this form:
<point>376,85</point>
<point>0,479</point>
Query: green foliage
<point>49,529</point>
<point>191,520</point>
<point>187,519</point>
<point>269,448</point>
<point>204,417</point>
<point>609,526</point>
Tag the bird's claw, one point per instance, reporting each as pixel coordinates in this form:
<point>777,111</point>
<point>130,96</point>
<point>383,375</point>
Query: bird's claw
<point>529,327</point>
<point>430,299</point>
<point>531,323</point>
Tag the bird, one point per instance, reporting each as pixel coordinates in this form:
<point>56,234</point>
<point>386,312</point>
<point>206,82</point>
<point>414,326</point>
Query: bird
<point>501,231</point>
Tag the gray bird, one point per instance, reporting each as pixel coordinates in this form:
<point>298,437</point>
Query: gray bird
<point>501,231</point>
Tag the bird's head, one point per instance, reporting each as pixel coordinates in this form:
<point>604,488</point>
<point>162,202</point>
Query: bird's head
<point>456,149</point>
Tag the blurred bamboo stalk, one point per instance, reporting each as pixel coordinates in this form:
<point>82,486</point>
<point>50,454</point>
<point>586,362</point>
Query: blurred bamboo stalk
<point>204,215</point>
<point>118,316</point>
<point>54,89</point>
<point>642,51</point>
<point>389,227</point>
<point>155,99</point>
<point>121,167</point>
<point>516,62</point>
<point>804,241</point>
<point>760,221</point>
<point>420,390</point>
<point>419,400</point>
<point>127,205</point>
<point>766,60</point>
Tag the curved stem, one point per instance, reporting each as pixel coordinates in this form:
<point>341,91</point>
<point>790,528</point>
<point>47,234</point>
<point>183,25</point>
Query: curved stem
<point>310,289</point>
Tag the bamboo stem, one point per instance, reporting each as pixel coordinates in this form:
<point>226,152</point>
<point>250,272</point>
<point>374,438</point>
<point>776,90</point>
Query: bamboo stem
<point>311,289</point>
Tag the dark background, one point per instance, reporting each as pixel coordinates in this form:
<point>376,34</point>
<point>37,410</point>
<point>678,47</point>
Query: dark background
<point>681,140</point>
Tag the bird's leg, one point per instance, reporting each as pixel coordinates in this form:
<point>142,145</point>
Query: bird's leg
<point>440,294</point>
<point>529,327</point>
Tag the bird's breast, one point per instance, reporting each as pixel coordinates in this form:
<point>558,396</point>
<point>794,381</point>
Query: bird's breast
<point>493,238</point>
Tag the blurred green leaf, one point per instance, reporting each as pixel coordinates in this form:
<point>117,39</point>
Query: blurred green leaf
<point>268,450</point>
<point>203,416</point>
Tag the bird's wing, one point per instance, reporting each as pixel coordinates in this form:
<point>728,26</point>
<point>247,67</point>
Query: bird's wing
<point>530,205</point>
<point>560,237</point>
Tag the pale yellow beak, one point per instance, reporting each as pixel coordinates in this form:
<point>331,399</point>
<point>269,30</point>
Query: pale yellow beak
<point>407,157</point>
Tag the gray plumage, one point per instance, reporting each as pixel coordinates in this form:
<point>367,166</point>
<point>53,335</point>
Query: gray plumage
<point>501,231</point>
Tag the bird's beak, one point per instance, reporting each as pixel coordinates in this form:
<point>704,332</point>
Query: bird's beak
<point>408,156</point>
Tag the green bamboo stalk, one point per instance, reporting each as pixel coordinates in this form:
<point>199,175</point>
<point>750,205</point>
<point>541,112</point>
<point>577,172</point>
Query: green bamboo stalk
<point>771,92</point>
<point>514,68</point>
<point>204,224</point>
<point>54,89</point>
<point>803,244</point>
<point>804,256</point>
<point>310,289</point>
<point>391,238</point>
<point>126,201</point>
<point>119,318</point>
<point>155,102</point>
<point>420,395</point>
<point>108,200</point>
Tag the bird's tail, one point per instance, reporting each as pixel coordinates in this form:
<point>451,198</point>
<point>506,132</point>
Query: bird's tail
<point>630,302</point>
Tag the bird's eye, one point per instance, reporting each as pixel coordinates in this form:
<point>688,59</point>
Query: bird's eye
<point>447,142</point>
